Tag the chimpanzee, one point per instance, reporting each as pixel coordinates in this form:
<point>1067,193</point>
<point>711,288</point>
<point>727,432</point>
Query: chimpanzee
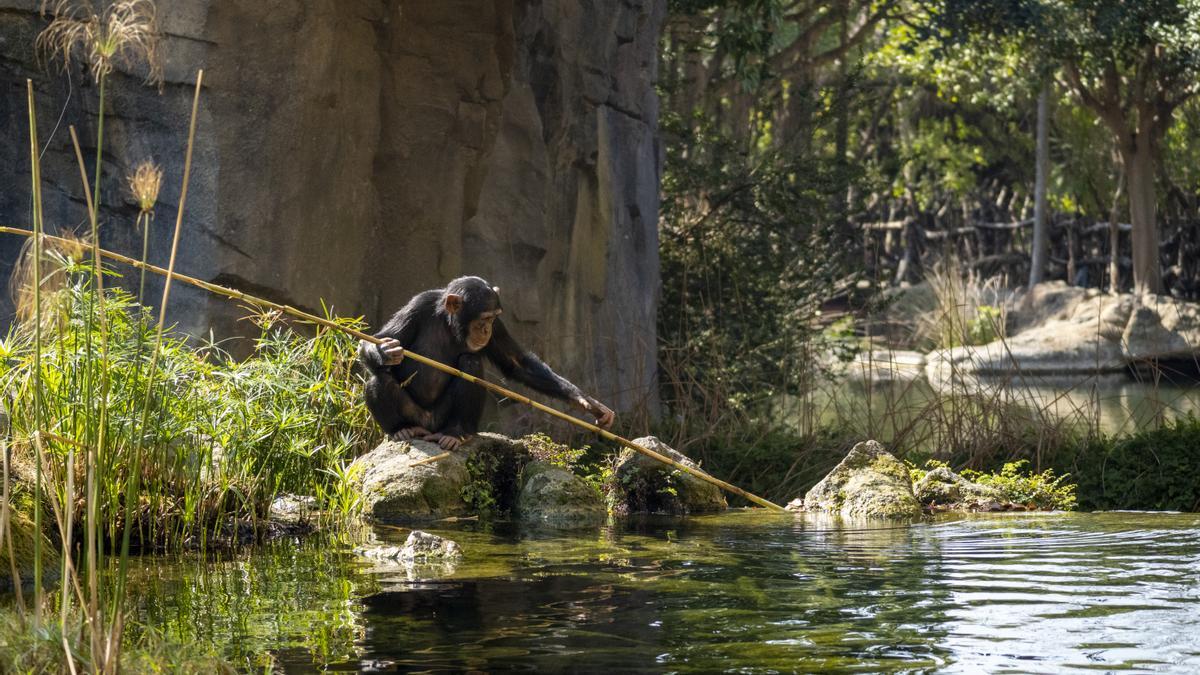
<point>457,325</point>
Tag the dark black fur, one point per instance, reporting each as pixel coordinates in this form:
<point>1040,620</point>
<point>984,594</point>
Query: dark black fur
<point>411,394</point>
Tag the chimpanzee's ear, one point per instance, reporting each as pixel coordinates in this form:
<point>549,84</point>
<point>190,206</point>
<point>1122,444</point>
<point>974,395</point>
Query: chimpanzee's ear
<point>454,302</point>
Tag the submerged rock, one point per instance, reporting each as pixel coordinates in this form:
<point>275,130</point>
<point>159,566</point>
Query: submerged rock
<point>420,546</point>
<point>942,488</point>
<point>396,487</point>
<point>552,495</point>
<point>868,483</point>
<point>23,532</point>
<point>642,484</point>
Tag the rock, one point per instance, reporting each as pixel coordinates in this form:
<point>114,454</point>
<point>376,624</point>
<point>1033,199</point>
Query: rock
<point>290,509</point>
<point>1162,328</point>
<point>420,546</point>
<point>554,496</point>
<point>887,365</point>
<point>394,489</point>
<point>1056,348</point>
<point>868,483</point>
<point>22,529</point>
<point>517,141</point>
<point>642,484</point>
<point>942,487</point>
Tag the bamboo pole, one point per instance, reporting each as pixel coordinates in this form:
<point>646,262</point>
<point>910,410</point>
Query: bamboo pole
<point>234,294</point>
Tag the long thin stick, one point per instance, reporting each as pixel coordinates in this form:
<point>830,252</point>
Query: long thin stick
<point>234,294</point>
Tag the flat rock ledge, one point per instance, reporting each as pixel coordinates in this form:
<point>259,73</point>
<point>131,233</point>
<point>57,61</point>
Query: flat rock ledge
<point>868,483</point>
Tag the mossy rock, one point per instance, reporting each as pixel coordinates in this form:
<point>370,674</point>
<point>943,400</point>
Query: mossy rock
<point>644,485</point>
<point>22,529</point>
<point>551,495</point>
<point>394,489</point>
<point>941,487</point>
<point>868,483</point>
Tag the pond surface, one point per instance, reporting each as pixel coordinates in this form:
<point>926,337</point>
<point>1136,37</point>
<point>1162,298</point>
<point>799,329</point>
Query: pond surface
<point>746,591</point>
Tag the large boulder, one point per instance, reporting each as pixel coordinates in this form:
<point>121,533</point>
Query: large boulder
<point>397,483</point>
<point>1162,327</point>
<point>1061,331</point>
<point>551,495</point>
<point>642,484</point>
<point>868,483</point>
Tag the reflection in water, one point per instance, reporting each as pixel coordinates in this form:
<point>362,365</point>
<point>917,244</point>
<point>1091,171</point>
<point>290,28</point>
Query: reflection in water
<point>910,410</point>
<point>743,590</point>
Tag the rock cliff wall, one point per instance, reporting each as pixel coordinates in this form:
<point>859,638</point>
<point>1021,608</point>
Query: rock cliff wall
<point>359,151</point>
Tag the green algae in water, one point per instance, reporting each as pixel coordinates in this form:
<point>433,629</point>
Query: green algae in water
<point>738,591</point>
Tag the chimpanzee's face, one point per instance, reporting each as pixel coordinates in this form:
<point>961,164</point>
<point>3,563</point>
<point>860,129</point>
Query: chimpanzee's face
<point>480,331</point>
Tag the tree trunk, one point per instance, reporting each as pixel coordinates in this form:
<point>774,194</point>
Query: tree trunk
<point>1139,177</point>
<point>1041,236</point>
<point>1114,233</point>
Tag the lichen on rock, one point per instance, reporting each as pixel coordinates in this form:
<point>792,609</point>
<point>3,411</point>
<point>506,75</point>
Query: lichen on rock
<point>868,483</point>
<point>942,488</point>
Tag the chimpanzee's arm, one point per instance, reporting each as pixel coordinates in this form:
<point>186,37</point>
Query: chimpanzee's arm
<point>402,327</point>
<point>524,366</point>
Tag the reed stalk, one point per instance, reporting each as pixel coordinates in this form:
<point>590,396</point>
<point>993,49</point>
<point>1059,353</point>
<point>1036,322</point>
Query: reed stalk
<point>36,177</point>
<point>139,451</point>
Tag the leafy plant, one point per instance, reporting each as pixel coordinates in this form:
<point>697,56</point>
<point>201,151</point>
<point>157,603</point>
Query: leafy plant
<point>1019,485</point>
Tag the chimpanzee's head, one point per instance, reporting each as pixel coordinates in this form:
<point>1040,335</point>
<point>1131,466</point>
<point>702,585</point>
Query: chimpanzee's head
<point>471,306</point>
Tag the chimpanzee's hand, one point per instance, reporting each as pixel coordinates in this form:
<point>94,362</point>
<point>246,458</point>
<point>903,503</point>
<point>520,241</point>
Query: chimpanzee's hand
<point>447,442</point>
<point>391,351</point>
<point>604,416</point>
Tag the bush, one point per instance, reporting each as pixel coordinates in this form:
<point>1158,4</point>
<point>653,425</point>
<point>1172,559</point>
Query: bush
<point>1156,469</point>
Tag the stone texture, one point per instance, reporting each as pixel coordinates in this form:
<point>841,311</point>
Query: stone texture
<point>360,151</point>
<point>1162,327</point>
<point>944,488</point>
<point>868,483</point>
<point>642,484</point>
<point>396,490</point>
<point>551,495</point>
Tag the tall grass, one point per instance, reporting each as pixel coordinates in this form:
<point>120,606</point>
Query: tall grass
<point>130,438</point>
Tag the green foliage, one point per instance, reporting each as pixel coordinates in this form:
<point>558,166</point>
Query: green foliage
<point>494,480</point>
<point>222,437</point>
<point>916,473</point>
<point>1016,483</point>
<point>1155,469</point>
<point>545,449</point>
<point>24,649</point>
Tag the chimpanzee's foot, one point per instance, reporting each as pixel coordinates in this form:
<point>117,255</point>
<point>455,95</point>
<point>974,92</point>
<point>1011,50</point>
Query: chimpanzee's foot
<point>447,442</point>
<point>410,433</point>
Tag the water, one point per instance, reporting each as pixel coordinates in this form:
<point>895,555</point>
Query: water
<point>743,591</point>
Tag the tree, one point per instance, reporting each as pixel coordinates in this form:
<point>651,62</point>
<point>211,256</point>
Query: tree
<point>1132,63</point>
